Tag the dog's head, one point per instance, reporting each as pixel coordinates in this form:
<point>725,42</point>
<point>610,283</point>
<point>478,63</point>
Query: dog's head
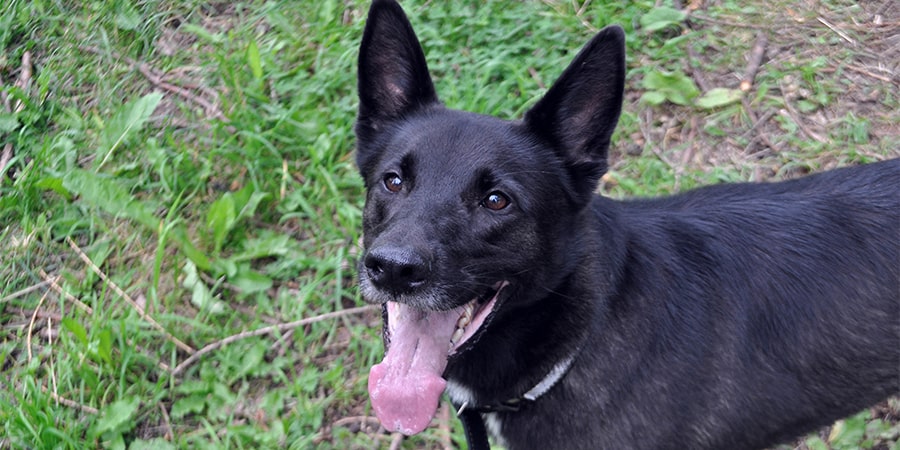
<point>459,205</point>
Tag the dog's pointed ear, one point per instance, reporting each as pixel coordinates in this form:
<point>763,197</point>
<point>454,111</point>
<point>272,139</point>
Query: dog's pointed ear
<point>580,111</point>
<point>393,75</point>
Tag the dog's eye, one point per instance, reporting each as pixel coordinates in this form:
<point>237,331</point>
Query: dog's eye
<point>495,201</point>
<point>393,182</point>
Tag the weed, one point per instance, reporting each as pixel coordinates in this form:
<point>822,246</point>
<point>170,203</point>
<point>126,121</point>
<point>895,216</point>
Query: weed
<point>190,165</point>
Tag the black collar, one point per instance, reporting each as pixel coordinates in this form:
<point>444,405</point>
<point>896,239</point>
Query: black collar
<point>470,415</point>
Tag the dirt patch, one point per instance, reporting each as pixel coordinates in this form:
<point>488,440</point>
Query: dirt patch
<point>827,82</point>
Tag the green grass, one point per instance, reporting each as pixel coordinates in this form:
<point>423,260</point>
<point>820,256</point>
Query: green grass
<point>195,161</point>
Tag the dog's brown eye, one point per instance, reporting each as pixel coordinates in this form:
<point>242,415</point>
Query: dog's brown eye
<point>495,201</point>
<point>393,182</point>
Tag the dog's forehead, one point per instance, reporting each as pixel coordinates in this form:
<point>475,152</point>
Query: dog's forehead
<point>461,142</point>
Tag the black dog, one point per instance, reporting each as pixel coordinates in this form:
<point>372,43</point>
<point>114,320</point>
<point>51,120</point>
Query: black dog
<point>730,317</point>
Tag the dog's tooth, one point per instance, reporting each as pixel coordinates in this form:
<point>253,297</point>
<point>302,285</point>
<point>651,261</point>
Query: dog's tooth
<point>464,320</point>
<point>456,336</point>
<point>466,317</point>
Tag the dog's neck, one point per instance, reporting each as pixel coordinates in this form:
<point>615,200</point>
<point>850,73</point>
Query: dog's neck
<point>471,414</point>
<point>461,397</point>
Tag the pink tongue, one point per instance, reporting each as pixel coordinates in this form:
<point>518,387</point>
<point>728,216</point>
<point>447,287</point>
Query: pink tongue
<point>406,387</point>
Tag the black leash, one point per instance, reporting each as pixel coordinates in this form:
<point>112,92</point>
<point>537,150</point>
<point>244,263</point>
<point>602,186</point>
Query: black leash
<point>473,426</point>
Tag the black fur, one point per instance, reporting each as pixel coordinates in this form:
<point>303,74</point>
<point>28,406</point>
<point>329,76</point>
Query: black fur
<point>728,317</point>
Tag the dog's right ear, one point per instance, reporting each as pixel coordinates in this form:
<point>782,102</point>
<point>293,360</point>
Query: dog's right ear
<point>393,76</point>
<point>579,113</point>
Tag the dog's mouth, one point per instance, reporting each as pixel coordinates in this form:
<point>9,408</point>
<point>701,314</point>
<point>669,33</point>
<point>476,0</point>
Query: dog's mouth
<point>473,317</point>
<point>406,386</point>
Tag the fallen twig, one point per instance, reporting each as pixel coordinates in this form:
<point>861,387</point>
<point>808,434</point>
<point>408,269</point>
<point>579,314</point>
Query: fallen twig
<point>444,426</point>
<point>757,122</point>
<point>363,421</point>
<point>41,314</point>
<point>71,404</point>
<point>87,260</point>
<point>866,72</point>
<point>688,154</point>
<point>396,440</point>
<point>34,316</point>
<point>697,74</point>
<point>25,291</point>
<point>792,114</point>
<point>536,77</point>
<point>156,78</point>
<point>52,370</point>
<point>167,423</point>
<point>22,83</point>
<point>266,330</point>
<point>59,290</point>
<point>720,21</point>
<point>755,61</point>
<point>837,31</point>
<point>5,158</point>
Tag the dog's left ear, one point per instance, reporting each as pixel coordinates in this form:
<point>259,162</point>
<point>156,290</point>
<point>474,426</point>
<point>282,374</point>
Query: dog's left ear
<point>580,111</point>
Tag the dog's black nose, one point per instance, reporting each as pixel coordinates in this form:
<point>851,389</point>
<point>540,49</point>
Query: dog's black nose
<point>398,270</point>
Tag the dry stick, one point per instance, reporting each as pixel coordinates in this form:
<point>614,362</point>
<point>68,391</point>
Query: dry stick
<point>24,78</point>
<point>157,81</point>
<point>755,61</point>
<point>792,114</point>
<point>159,364</point>
<point>536,77</point>
<point>755,129</point>
<point>22,83</point>
<point>59,290</point>
<point>838,31</point>
<point>720,21</point>
<point>688,155</point>
<point>396,440</point>
<point>266,330</point>
<point>582,8</point>
<point>878,17</point>
<point>40,315</point>
<point>363,421</point>
<point>444,426</point>
<point>31,324</point>
<point>282,192</point>
<point>758,122</point>
<point>155,78</point>
<point>580,15</point>
<point>7,153</point>
<point>866,72</point>
<point>281,346</point>
<point>24,291</point>
<point>5,158</point>
<point>4,99</point>
<point>648,140</point>
<point>696,73</point>
<point>52,371</point>
<point>178,343</point>
<point>169,435</point>
<point>69,403</point>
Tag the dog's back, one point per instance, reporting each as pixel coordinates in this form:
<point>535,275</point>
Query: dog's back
<point>751,312</point>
